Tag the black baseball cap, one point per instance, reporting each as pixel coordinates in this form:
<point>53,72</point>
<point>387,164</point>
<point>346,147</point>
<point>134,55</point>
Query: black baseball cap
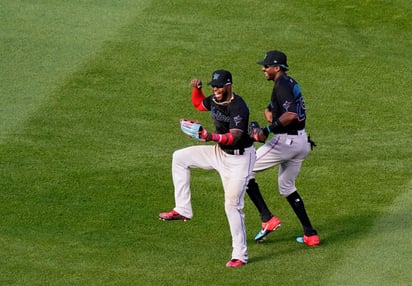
<point>274,58</point>
<point>221,78</point>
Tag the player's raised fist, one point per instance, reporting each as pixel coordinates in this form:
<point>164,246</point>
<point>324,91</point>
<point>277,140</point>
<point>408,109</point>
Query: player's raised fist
<point>196,83</point>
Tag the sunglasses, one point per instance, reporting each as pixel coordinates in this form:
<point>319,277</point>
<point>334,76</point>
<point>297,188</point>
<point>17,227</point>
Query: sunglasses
<point>268,66</point>
<point>218,86</point>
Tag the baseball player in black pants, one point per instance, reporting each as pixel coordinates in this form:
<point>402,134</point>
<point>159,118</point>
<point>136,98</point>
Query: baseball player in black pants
<point>288,148</point>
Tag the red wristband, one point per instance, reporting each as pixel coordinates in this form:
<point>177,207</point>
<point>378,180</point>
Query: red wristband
<point>225,139</point>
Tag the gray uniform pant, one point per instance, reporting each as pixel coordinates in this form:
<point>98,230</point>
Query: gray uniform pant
<point>287,151</point>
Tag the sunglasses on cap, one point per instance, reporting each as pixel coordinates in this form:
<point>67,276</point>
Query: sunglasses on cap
<point>280,65</point>
<point>268,66</point>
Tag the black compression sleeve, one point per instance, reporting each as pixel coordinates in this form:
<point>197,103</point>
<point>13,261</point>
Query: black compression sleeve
<point>276,127</point>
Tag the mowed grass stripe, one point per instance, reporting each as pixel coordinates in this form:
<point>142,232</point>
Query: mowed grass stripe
<point>48,159</point>
<point>42,43</point>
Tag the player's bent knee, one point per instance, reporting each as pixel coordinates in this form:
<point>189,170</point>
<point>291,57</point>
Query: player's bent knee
<point>179,155</point>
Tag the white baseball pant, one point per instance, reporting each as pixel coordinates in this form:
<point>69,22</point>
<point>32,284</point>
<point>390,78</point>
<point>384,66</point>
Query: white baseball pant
<point>234,171</point>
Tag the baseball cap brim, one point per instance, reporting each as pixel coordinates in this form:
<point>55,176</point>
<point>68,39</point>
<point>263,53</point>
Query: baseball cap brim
<point>262,63</point>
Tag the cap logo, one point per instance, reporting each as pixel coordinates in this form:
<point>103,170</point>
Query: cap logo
<point>216,76</point>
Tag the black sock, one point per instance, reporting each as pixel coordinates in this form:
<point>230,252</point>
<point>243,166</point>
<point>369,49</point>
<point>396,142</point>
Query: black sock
<point>256,197</point>
<point>296,203</point>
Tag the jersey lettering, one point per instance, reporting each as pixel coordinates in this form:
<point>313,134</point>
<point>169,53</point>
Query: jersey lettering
<point>218,115</point>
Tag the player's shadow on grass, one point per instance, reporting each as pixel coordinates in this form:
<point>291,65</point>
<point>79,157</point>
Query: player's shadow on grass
<point>334,231</point>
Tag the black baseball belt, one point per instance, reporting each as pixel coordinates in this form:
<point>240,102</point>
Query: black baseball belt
<point>239,151</point>
<point>293,132</point>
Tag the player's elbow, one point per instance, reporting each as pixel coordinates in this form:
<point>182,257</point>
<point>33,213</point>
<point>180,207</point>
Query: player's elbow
<point>287,117</point>
<point>236,134</point>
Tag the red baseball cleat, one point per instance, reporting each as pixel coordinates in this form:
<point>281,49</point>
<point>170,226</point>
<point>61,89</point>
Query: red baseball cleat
<point>267,227</point>
<point>312,240</point>
<point>172,215</point>
<point>233,263</point>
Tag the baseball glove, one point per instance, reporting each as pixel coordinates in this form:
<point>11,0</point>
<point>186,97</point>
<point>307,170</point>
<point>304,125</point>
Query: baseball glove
<point>253,131</point>
<point>194,129</point>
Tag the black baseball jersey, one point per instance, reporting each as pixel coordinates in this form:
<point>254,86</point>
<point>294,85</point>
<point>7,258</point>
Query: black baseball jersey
<point>233,115</point>
<point>287,97</point>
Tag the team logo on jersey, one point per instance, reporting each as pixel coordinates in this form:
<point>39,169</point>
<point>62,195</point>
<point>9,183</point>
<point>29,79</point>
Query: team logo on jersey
<point>286,105</point>
<point>237,119</point>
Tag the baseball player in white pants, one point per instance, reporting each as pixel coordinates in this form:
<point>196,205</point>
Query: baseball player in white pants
<point>234,171</point>
<point>233,157</point>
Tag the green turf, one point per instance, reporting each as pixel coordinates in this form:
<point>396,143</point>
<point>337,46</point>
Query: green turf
<point>91,95</point>
<point>383,254</point>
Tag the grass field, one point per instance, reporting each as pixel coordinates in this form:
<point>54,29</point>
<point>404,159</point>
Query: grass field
<point>91,95</point>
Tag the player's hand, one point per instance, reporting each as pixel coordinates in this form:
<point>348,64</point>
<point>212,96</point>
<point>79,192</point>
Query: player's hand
<point>204,134</point>
<point>268,115</point>
<point>196,83</point>
<point>254,131</point>
<point>261,136</point>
